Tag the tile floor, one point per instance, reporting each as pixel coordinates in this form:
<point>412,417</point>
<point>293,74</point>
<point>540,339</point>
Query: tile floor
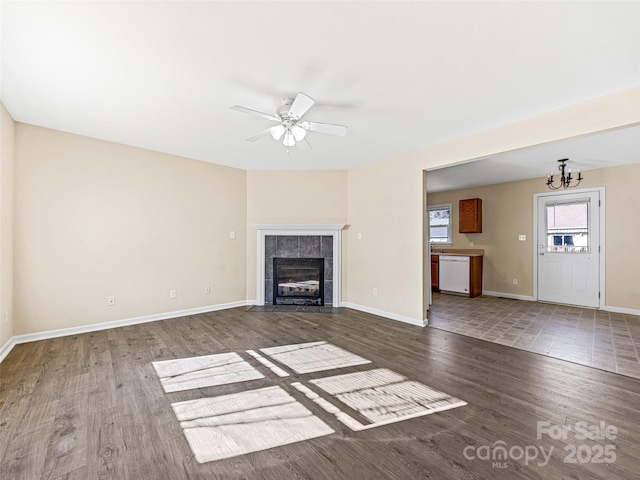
<point>604,340</point>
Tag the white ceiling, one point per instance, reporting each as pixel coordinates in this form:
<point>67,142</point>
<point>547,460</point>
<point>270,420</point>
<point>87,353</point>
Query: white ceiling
<point>401,75</point>
<point>616,147</point>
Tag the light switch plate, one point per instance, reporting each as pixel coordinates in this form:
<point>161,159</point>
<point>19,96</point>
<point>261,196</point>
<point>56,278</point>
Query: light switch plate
<point>522,238</point>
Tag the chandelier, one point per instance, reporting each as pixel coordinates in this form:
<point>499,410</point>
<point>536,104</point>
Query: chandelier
<point>566,180</point>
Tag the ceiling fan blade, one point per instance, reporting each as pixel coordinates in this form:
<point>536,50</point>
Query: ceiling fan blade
<point>258,135</point>
<point>305,145</point>
<point>254,112</point>
<point>301,105</point>
<point>329,128</point>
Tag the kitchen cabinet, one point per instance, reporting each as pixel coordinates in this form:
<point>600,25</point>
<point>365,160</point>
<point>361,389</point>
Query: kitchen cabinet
<point>434,272</point>
<point>470,215</point>
<point>475,277</point>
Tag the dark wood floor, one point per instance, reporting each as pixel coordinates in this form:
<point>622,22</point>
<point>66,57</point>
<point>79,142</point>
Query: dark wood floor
<point>91,406</point>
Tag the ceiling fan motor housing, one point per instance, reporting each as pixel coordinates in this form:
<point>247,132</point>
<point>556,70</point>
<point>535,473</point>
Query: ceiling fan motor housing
<point>283,112</point>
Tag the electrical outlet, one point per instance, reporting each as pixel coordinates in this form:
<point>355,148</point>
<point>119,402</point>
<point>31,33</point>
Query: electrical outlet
<point>471,244</point>
<point>375,292</point>
<point>111,301</point>
<point>6,316</point>
<point>522,238</point>
<point>207,290</point>
<point>232,234</point>
<point>173,294</point>
<point>515,281</point>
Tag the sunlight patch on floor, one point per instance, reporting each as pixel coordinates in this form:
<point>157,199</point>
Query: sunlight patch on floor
<point>241,423</point>
<point>313,357</point>
<point>206,371</point>
<point>383,396</point>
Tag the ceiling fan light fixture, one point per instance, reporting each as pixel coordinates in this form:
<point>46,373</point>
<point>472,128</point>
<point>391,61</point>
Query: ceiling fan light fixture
<point>289,139</point>
<point>291,128</point>
<point>277,131</point>
<point>298,133</point>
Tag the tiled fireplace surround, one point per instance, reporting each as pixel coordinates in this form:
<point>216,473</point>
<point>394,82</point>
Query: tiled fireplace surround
<point>309,246</point>
<point>299,241</point>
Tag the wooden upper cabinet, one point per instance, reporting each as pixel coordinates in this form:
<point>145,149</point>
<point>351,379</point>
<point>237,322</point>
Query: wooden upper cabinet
<point>470,215</point>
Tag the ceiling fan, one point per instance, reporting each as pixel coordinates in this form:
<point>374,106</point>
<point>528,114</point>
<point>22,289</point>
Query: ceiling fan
<point>291,128</point>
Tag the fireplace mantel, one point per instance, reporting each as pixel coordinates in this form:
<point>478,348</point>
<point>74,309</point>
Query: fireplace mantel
<point>333,230</point>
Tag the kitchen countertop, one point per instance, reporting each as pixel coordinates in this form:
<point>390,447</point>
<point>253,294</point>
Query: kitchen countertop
<point>463,252</point>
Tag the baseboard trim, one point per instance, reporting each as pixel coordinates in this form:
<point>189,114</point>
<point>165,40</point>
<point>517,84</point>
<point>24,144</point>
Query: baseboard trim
<point>63,332</point>
<point>6,348</point>
<point>606,308</point>
<point>527,298</point>
<point>627,311</point>
<point>382,313</point>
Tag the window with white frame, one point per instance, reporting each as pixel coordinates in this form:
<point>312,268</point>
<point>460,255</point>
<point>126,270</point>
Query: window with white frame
<point>439,228</point>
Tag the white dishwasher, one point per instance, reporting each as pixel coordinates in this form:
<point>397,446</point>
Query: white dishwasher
<point>454,274</point>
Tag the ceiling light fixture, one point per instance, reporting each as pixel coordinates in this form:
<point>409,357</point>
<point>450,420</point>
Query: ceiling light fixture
<point>565,179</point>
<point>298,133</point>
<point>289,140</point>
<point>277,132</point>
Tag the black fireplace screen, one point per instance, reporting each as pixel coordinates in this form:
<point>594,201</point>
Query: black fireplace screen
<point>298,281</point>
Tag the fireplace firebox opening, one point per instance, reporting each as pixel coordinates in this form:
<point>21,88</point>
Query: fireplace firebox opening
<point>298,281</point>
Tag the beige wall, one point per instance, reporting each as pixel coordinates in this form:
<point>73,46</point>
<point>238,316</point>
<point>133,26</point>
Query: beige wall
<point>622,235</point>
<point>383,207</point>
<point>508,212</point>
<point>94,219</point>
<point>7,135</point>
<point>292,197</point>
<point>395,186</point>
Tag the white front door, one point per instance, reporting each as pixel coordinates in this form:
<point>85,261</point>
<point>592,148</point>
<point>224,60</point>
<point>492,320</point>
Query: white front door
<point>568,249</point>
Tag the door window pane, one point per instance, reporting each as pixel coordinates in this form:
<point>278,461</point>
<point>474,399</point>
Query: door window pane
<point>568,227</point>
